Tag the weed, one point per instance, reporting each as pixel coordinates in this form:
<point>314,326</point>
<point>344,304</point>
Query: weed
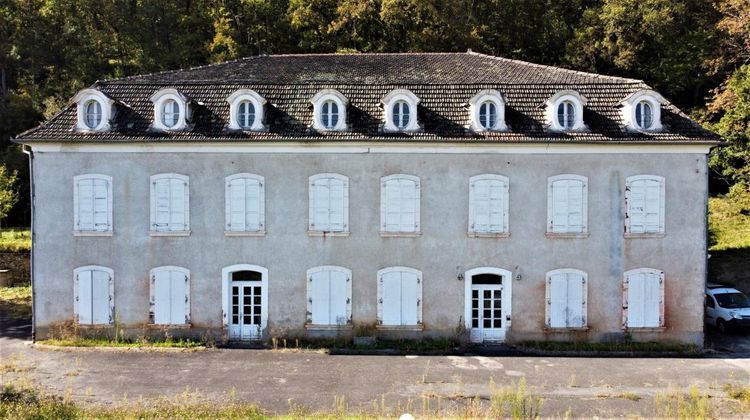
<point>630,396</point>
<point>426,371</point>
<point>515,402</point>
<point>679,405</point>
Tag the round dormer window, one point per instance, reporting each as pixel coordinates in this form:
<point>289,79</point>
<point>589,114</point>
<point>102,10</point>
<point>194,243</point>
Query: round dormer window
<point>644,115</point>
<point>488,115</point>
<point>329,114</point>
<point>93,114</point>
<point>246,115</point>
<point>401,117</point>
<point>170,113</point>
<point>566,114</point>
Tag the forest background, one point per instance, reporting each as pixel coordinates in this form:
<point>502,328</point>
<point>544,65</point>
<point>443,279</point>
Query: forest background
<point>694,52</point>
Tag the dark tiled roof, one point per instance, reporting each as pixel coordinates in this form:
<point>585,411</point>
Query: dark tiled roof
<point>443,82</point>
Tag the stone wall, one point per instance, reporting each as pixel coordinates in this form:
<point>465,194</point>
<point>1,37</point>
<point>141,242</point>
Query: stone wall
<point>19,264</point>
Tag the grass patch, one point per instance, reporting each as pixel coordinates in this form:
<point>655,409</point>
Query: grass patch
<point>15,240</point>
<point>515,402</point>
<point>16,301</point>
<point>425,346</point>
<point>627,346</point>
<point>680,405</point>
<point>126,343</point>
<point>729,228</point>
<point>739,393</point>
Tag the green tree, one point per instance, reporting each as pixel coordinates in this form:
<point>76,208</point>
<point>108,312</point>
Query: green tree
<point>8,194</point>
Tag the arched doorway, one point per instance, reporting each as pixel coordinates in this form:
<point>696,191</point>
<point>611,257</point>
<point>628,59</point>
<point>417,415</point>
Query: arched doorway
<point>245,301</point>
<point>487,303</point>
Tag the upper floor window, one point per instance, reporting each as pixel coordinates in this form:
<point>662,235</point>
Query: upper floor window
<point>488,205</point>
<point>246,110</point>
<point>329,110</point>
<point>329,296</point>
<point>643,298</point>
<point>171,110</point>
<point>95,110</point>
<point>565,111</point>
<point>400,107</point>
<point>487,109</point>
<point>94,295</point>
<point>641,111</point>
<point>245,204</point>
<point>566,298</point>
<point>644,204</point>
<point>170,204</point>
<point>170,296</point>
<point>400,297</point>
<point>92,203</point>
<point>567,204</point>
<point>399,204</point>
<point>329,203</point>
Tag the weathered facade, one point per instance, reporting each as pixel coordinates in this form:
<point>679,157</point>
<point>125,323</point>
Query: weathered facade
<point>519,202</point>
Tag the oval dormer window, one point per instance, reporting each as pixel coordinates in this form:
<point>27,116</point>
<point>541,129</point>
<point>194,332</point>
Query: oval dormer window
<point>566,114</point>
<point>401,117</point>
<point>488,115</point>
<point>644,115</point>
<point>93,111</point>
<point>330,114</point>
<point>170,113</point>
<point>246,115</point>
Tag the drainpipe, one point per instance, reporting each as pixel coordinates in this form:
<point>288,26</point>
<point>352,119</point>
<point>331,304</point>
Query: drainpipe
<point>27,150</point>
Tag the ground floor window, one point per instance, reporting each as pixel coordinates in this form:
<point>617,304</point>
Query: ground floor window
<point>94,291</point>
<point>643,298</point>
<point>566,299</point>
<point>170,296</point>
<point>399,296</point>
<point>329,296</point>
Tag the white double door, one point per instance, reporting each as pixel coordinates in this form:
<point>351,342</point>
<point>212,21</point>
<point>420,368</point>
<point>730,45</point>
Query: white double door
<point>487,313</point>
<point>245,316</point>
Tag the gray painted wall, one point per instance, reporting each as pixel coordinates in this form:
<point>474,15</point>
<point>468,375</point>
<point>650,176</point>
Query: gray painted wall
<point>441,252</point>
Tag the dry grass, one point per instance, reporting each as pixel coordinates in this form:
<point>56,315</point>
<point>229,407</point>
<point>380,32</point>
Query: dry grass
<point>16,301</point>
<point>15,240</point>
<point>691,405</point>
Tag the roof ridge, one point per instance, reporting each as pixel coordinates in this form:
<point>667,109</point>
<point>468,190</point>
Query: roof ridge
<point>557,68</point>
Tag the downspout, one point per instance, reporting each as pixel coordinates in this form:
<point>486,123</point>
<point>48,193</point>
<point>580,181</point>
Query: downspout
<point>27,150</point>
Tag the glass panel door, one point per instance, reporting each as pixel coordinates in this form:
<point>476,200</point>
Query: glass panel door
<point>245,322</point>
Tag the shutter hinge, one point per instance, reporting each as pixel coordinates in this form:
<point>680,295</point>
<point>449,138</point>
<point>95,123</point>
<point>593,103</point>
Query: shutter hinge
<point>380,300</point>
<point>348,279</point>
<point>186,299</point>
<point>153,278</point>
<point>419,280</point>
<point>310,279</point>
<point>186,279</point>
<point>584,281</point>
<point>348,300</point>
<point>419,302</point>
<point>309,300</point>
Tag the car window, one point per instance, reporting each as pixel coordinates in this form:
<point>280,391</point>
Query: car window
<point>732,300</point>
<point>710,302</point>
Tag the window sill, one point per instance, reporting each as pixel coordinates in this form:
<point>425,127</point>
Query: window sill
<point>555,235</point>
<point>654,235</point>
<point>94,326</point>
<point>382,327</point>
<point>320,327</point>
<point>400,234</point>
<point>645,329</point>
<point>488,235</point>
<point>170,326</point>
<point>174,233</point>
<point>565,329</point>
<point>249,233</point>
<point>327,234</point>
<point>91,233</point>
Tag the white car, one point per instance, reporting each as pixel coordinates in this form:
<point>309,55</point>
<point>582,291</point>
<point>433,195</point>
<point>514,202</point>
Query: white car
<point>726,308</point>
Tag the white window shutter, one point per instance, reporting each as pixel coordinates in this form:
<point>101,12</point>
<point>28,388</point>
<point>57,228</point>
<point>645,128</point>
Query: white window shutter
<point>391,298</point>
<point>392,206</point>
<point>637,207</point>
<point>100,205</point>
<point>339,298</point>
<point>237,205</point>
<point>496,206</point>
<point>410,299</point>
<point>558,300</point>
<point>575,206</point>
<point>178,211</point>
<point>253,205</point>
<point>560,206</point>
<point>321,291</point>
<point>85,297</point>
<point>575,316</point>
<point>100,297</point>
<point>177,297</point>
<point>636,286</point>
<point>482,208</point>
<point>652,206</point>
<point>336,205</point>
<point>162,297</point>
<point>409,205</point>
<point>86,203</point>
<point>162,204</point>
<point>652,300</point>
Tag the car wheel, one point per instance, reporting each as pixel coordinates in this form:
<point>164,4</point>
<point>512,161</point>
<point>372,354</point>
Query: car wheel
<point>721,326</point>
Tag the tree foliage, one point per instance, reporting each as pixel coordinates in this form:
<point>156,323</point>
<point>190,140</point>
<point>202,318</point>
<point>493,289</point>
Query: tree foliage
<point>8,193</point>
<point>693,51</point>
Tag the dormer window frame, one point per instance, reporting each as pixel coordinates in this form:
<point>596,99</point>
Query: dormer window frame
<point>390,100</point>
<point>630,105</point>
<point>86,97</point>
<point>160,98</point>
<point>487,96</point>
<point>577,100</point>
<point>342,103</point>
<point>259,104</point>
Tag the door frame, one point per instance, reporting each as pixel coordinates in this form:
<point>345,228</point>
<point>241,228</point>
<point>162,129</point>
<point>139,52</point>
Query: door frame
<point>507,284</point>
<point>225,295</point>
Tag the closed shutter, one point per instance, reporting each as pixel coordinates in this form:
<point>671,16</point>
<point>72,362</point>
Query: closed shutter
<point>162,297</point>
<point>391,298</point>
<point>409,298</point>
<point>339,298</point>
<point>560,206</point>
<point>86,204</point>
<point>162,202</point>
<point>636,294</point>
<point>558,300</point>
<point>575,315</point>
<point>645,206</point>
<point>178,298</point>
<point>244,201</point>
<point>253,205</point>
<point>100,205</point>
<point>321,292</point>
<point>100,297</point>
<point>337,190</point>
<point>567,206</point>
<point>637,207</point>
<point>84,298</point>
<point>401,205</point>
<point>178,212</point>
<point>652,212</point>
<point>652,300</point>
<point>238,201</point>
<point>392,206</point>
